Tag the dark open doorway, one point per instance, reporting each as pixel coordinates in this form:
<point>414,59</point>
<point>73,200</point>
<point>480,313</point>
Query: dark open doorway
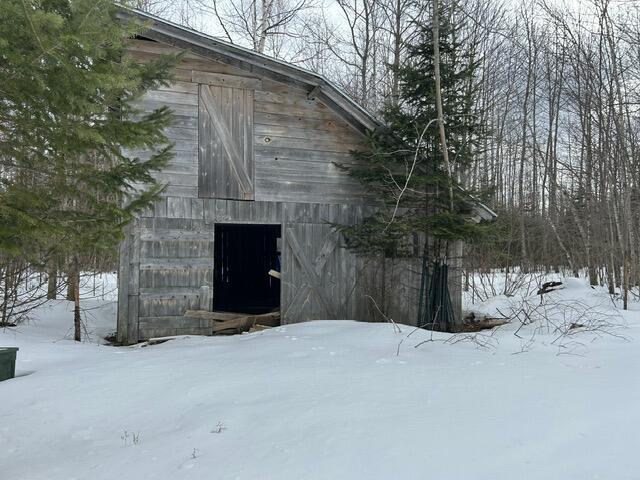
<point>244,254</point>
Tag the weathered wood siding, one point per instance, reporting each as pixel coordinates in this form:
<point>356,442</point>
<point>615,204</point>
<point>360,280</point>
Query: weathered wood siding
<point>176,274</point>
<point>251,150</point>
<point>128,286</point>
<point>319,274</point>
<point>168,260</point>
<point>296,141</point>
<point>181,174</point>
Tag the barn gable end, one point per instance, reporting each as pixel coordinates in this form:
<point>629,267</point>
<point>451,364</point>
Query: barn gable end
<point>256,143</point>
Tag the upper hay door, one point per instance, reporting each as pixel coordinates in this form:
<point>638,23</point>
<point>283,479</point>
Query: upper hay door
<point>225,132</point>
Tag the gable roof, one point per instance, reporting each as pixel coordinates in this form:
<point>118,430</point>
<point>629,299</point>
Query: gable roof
<point>207,46</point>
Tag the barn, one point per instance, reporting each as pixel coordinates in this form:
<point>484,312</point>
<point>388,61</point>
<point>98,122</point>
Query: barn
<point>253,189</point>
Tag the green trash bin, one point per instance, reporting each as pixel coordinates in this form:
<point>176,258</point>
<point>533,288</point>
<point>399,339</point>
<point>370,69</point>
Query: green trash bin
<point>7,362</point>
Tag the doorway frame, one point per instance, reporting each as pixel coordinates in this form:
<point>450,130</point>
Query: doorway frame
<point>224,222</point>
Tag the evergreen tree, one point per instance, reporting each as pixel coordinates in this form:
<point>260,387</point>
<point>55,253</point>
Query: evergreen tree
<point>404,166</point>
<point>67,186</point>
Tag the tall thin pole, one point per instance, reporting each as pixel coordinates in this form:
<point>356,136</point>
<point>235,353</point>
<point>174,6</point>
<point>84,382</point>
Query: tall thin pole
<point>440,115</point>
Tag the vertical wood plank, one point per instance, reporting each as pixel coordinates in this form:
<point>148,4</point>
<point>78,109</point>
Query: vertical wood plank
<point>197,208</point>
<point>249,157</point>
<point>123,287</point>
<point>134,284</point>
<point>205,150</point>
<point>160,207</point>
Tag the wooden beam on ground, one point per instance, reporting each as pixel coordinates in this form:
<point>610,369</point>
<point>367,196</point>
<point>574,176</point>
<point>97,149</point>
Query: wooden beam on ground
<point>245,323</point>
<point>213,316</point>
<point>226,323</point>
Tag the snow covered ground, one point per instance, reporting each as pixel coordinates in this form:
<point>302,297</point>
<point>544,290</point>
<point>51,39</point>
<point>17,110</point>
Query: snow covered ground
<point>331,400</point>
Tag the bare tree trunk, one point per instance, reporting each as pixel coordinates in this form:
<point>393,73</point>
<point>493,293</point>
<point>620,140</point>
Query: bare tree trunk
<point>7,289</point>
<point>77,319</point>
<point>52,284</point>
<point>436,75</point>
<point>397,51</point>
<point>72,275</point>
<point>267,6</point>
<point>523,152</point>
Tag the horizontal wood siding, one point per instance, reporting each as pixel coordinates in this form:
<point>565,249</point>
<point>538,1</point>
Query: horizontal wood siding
<point>175,270</point>
<point>181,173</point>
<point>298,141</point>
<point>190,218</point>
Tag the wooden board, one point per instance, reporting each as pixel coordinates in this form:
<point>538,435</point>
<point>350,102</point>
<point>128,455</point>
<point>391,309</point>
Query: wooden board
<point>318,276</point>
<point>129,286</point>
<point>145,51</point>
<point>224,80</point>
<point>226,162</point>
<point>246,322</point>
